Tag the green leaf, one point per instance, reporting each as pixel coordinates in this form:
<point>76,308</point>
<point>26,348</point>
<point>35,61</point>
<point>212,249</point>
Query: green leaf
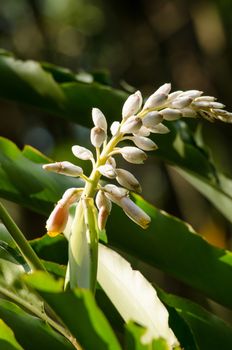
<point>24,181</point>
<point>12,267</point>
<point>174,247</point>
<point>220,193</point>
<point>210,332</point>
<point>31,331</point>
<point>30,83</point>
<point>78,311</point>
<point>7,338</point>
<point>134,339</point>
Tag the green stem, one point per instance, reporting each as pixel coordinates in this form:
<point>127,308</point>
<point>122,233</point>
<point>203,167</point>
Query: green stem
<point>23,245</point>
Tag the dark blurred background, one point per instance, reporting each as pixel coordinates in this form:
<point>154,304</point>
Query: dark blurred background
<point>142,44</point>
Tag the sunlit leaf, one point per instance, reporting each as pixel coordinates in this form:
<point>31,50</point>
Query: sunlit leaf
<point>79,312</point>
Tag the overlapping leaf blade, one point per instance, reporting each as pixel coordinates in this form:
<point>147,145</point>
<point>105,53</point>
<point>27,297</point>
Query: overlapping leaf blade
<point>78,311</point>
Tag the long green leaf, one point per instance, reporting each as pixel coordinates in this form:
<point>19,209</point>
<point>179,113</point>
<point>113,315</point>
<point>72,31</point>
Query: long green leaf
<point>209,331</point>
<point>30,331</point>
<point>78,311</point>
<point>7,338</point>
<point>29,83</point>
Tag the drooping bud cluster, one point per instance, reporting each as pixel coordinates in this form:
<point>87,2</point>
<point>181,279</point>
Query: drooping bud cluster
<point>137,123</point>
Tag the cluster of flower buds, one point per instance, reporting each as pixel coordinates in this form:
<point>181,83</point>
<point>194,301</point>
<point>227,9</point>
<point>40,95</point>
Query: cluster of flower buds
<point>138,122</point>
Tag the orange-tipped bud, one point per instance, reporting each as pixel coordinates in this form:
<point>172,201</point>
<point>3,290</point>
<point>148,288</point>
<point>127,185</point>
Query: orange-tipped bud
<point>57,220</point>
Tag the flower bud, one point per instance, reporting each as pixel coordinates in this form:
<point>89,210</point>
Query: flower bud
<point>103,201</point>
<point>103,215</point>
<point>174,95</point>
<point>114,193</point>
<point>181,102</point>
<point>57,220</point>
<point>132,105</point>
<point>64,168</point>
<point>155,100</point>
<point>160,129</point>
<point>107,170</point>
<point>70,196</point>
<point>188,113</point>
<point>99,119</point>
<point>97,136</point>
<point>82,153</point>
<point>134,212</point>
<point>171,114</point>
<point>163,89</point>
<point>158,97</point>
<point>152,119</point>
<point>111,161</point>
<point>205,98</point>
<point>132,125</point>
<point>128,180</point>
<point>207,104</point>
<point>114,128</point>
<point>133,154</point>
<point>144,143</point>
<point>143,131</point>
<point>191,93</point>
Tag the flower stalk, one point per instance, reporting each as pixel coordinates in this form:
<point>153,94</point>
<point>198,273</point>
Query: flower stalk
<point>24,247</point>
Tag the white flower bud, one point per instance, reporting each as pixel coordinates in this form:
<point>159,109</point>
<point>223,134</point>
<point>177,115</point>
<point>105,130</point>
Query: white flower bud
<point>111,161</point>
<point>70,196</point>
<point>97,136</point>
<point>57,220</point>
<point>154,101</point>
<point>103,215</point>
<point>160,129</point>
<point>191,93</point>
<point>222,112</point>
<point>103,201</point>
<point>82,153</point>
<point>99,119</point>
<point>158,97</point>
<point>107,170</point>
<point>132,105</point>
<point>134,212</point>
<point>114,128</point>
<point>143,131</point>
<point>144,143</point>
<point>131,125</point>
<point>174,95</point>
<point>128,180</point>
<point>64,168</point>
<point>114,193</point>
<point>163,89</point>
<point>133,155</point>
<point>181,102</point>
<point>207,104</point>
<point>205,98</point>
<point>171,114</point>
<point>152,119</point>
<point>188,113</point>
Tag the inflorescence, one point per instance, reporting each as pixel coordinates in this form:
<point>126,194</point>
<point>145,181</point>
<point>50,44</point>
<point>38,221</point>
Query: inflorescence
<point>137,123</point>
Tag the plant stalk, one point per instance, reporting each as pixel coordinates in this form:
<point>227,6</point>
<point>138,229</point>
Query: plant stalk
<point>24,247</point>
